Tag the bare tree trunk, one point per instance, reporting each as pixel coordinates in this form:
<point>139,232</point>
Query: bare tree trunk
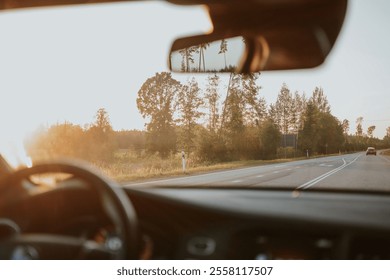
<point>204,62</point>
<point>224,106</point>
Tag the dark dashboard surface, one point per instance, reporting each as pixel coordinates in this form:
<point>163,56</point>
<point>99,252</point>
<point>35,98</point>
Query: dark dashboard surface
<point>263,224</point>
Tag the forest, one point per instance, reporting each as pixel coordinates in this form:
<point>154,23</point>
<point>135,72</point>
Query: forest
<point>211,124</point>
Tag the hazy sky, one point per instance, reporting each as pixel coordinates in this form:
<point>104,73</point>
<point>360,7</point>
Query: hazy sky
<point>60,64</point>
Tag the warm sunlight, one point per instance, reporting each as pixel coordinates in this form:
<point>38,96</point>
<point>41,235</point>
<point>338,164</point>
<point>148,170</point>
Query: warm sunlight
<point>47,79</point>
<point>15,153</point>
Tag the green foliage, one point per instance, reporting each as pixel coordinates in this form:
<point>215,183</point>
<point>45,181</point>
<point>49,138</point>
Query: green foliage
<point>189,103</point>
<point>156,101</point>
<point>320,101</point>
<point>239,128</point>
<point>370,130</point>
<point>131,139</point>
<point>94,143</point>
<point>308,135</point>
<point>359,127</point>
<point>330,136</point>
<point>322,132</point>
<point>270,138</point>
<point>212,97</point>
<point>287,112</point>
<point>102,121</point>
<point>210,147</point>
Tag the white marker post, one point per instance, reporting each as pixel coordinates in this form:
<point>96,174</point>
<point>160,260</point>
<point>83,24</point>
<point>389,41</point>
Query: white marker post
<point>183,161</point>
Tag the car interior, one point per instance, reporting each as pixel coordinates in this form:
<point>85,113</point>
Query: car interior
<point>107,220</point>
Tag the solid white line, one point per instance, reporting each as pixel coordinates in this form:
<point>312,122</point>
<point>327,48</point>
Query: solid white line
<point>202,175</point>
<point>329,172</point>
<point>326,175</point>
<point>207,174</point>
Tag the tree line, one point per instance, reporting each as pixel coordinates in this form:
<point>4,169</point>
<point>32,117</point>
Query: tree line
<point>213,123</point>
<point>96,142</point>
<point>216,125</point>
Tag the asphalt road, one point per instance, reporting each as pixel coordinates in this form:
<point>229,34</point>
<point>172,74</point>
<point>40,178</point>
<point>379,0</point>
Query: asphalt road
<point>353,171</point>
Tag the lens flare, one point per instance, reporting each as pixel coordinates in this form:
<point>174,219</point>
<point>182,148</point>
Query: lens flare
<point>15,154</point>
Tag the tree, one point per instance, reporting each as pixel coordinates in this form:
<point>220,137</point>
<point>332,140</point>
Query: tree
<point>308,134</point>
<point>330,134</point>
<point>100,137</point>
<point>155,101</point>
<point>298,108</point>
<point>345,126</point>
<point>189,102</point>
<point>234,119</point>
<point>281,111</point>
<point>322,132</point>
<point>370,131</point>
<point>223,50</point>
<point>269,139</point>
<point>359,127</point>
<point>102,121</point>
<point>212,96</point>
<point>202,48</point>
<point>386,139</point>
<point>320,100</point>
<point>187,55</point>
<point>60,140</point>
<point>255,106</point>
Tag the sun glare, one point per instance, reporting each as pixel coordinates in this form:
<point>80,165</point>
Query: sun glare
<point>15,154</point>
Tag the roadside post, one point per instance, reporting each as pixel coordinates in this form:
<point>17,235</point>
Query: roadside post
<point>183,161</point>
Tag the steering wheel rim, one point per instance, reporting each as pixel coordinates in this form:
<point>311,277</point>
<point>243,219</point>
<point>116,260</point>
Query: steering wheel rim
<point>112,197</point>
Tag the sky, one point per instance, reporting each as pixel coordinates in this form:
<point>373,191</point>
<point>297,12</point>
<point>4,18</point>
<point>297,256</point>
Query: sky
<point>63,64</point>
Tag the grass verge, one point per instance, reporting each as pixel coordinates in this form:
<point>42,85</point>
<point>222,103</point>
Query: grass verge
<point>385,153</point>
<point>127,167</point>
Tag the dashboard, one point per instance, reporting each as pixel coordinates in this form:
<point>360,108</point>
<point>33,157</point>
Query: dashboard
<point>216,223</point>
<point>263,224</point>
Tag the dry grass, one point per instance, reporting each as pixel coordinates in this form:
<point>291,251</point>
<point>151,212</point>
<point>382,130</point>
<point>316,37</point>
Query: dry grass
<point>385,153</point>
<point>128,166</point>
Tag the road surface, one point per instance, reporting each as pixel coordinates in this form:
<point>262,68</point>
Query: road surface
<point>352,171</point>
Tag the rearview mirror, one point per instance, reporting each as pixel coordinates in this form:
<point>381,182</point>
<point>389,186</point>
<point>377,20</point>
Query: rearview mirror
<point>262,35</point>
<point>217,56</point>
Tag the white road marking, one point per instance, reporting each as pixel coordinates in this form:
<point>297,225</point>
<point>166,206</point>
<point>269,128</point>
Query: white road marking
<point>259,176</point>
<point>326,165</point>
<point>195,176</point>
<point>178,179</point>
<point>275,172</point>
<point>326,175</point>
<point>289,169</point>
<point>236,181</point>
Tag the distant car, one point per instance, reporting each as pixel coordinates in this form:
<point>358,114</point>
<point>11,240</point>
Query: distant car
<point>371,151</point>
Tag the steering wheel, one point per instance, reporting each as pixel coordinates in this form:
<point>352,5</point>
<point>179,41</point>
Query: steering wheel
<point>114,202</point>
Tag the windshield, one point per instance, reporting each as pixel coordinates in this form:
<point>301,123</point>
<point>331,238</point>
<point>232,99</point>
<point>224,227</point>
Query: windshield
<point>91,82</point>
